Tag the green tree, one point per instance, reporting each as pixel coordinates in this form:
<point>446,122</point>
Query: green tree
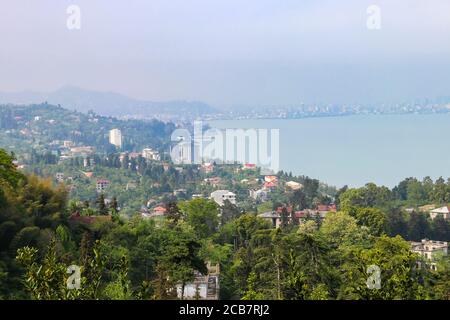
<point>101,205</point>
<point>8,171</point>
<point>202,215</point>
<point>372,218</point>
<point>341,229</point>
<point>397,265</point>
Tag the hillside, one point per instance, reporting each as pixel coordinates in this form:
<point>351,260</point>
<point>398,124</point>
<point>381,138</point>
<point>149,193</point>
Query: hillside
<point>110,104</point>
<point>41,126</point>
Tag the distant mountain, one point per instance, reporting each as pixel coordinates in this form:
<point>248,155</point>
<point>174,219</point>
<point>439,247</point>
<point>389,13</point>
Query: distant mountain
<point>110,103</point>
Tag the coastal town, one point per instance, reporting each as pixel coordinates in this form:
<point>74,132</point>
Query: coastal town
<point>114,173</point>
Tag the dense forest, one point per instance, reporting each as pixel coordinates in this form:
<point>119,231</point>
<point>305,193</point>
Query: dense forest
<point>145,259</point>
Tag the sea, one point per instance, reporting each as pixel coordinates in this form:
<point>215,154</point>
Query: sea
<point>358,149</point>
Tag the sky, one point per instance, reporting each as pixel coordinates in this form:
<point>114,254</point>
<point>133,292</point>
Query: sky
<point>230,52</point>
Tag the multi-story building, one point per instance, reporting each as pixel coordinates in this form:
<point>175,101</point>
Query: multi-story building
<point>115,138</point>
<point>182,152</point>
<point>102,185</point>
<point>430,250</point>
<point>219,196</point>
<point>150,154</point>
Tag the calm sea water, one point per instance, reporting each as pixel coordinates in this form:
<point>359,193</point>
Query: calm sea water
<point>354,150</point>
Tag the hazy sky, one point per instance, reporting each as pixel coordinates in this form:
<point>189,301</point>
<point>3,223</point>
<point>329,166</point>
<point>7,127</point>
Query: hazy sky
<point>230,52</point>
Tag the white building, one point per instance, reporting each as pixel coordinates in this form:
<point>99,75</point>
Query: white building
<point>150,154</point>
<point>219,196</point>
<point>102,185</point>
<point>294,185</point>
<point>444,212</point>
<point>430,249</point>
<point>182,152</point>
<point>59,176</point>
<point>115,137</point>
<point>204,287</point>
<point>68,144</point>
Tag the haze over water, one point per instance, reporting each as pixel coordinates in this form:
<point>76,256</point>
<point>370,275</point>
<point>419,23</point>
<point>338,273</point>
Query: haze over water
<point>355,150</point>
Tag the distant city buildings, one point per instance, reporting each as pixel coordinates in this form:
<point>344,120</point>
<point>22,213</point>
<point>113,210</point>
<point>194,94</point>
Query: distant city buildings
<point>182,152</point>
<point>115,138</point>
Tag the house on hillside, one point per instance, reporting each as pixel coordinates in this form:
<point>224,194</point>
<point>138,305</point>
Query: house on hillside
<point>271,216</point>
<point>324,209</point>
<point>102,185</point>
<point>76,217</point>
<point>293,185</point>
<point>150,154</point>
<point>158,211</point>
<point>219,197</point>
<point>272,179</point>
<point>204,287</point>
<point>269,185</point>
<point>430,250</point>
<point>443,212</point>
<point>259,195</point>
<point>275,216</point>
<point>249,166</point>
<point>59,176</point>
<point>207,167</point>
<point>214,181</point>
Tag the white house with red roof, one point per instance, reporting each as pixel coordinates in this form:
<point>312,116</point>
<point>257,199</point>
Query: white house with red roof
<point>249,166</point>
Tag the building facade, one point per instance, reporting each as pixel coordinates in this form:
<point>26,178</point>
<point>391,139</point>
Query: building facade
<point>115,138</point>
<point>219,197</point>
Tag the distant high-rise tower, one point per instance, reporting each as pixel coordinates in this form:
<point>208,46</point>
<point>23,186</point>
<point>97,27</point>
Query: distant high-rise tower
<point>115,138</point>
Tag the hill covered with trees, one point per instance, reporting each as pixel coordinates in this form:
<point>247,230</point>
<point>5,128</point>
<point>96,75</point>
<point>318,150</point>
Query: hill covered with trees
<point>145,259</point>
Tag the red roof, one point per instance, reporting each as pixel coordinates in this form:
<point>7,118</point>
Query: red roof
<point>88,174</point>
<point>300,214</point>
<point>280,209</point>
<point>102,181</point>
<point>271,178</point>
<point>88,219</point>
<point>325,207</point>
<point>270,184</point>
